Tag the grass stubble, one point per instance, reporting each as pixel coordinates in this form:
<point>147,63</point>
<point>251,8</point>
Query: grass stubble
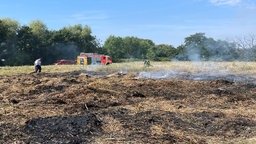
<point>115,127</point>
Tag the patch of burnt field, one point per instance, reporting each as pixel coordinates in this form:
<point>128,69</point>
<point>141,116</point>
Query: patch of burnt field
<point>200,76</point>
<point>85,107</point>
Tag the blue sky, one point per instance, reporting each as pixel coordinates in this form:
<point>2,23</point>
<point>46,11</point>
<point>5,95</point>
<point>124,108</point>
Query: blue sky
<point>162,21</point>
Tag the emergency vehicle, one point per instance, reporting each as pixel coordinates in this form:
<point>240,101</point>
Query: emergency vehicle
<point>93,59</point>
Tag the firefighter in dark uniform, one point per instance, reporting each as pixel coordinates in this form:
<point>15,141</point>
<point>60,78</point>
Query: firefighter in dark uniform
<point>147,63</point>
<point>37,64</point>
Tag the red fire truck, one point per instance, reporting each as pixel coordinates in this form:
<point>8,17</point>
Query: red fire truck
<point>93,59</point>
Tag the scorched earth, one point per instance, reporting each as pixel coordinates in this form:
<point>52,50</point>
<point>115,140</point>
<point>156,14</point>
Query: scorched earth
<point>91,107</point>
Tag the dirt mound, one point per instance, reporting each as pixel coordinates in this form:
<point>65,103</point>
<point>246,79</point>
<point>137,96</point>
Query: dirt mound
<point>99,107</point>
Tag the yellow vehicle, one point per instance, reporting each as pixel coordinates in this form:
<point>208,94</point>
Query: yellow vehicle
<point>82,60</point>
<point>93,59</point>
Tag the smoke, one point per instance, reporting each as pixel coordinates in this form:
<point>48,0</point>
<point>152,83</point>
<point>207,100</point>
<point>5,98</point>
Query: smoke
<point>198,76</point>
<point>60,51</point>
<point>193,53</point>
<point>162,74</point>
<point>123,71</point>
<point>93,67</point>
<point>200,67</point>
<point>66,51</point>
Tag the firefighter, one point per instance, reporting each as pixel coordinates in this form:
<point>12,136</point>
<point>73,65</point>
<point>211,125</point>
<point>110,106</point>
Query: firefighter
<point>37,64</point>
<point>147,63</point>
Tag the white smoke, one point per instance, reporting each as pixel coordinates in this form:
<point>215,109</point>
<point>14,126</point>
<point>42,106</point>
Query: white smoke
<point>92,67</point>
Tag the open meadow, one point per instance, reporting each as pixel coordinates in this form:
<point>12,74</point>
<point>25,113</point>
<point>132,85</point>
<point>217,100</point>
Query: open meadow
<point>167,102</point>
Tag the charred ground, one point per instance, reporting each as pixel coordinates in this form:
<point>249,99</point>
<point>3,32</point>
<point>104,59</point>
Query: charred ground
<point>95,107</point>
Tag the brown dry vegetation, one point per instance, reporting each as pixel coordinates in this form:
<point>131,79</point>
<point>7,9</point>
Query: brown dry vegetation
<point>112,107</point>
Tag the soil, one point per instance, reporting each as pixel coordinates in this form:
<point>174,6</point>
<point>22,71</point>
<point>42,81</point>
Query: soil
<point>100,107</point>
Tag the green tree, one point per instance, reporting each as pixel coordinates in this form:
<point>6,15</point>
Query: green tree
<point>136,48</point>
<point>196,47</point>
<point>126,48</point>
<point>3,31</point>
<point>41,39</point>
<point>38,28</point>
<point>115,47</point>
<point>145,46</point>
<point>25,46</point>
<point>151,53</point>
<point>3,37</point>
<point>8,45</point>
<point>162,52</point>
<point>89,43</point>
<point>79,36</point>
<point>221,50</point>
<point>181,53</point>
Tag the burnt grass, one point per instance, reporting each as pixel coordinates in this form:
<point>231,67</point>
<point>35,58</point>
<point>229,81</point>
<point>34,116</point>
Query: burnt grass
<point>84,107</point>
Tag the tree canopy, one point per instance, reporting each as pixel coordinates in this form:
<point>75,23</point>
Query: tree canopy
<point>21,45</point>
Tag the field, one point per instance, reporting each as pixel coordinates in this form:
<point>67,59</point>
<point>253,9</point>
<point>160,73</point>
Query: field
<point>169,102</point>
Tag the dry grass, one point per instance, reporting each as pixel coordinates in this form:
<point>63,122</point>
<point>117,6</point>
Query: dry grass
<point>111,124</point>
<point>130,109</point>
<point>227,67</point>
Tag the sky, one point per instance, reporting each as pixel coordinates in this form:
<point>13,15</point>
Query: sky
<point>162,21</point>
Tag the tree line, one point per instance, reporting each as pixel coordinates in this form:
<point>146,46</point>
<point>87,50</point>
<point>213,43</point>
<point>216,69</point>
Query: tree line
<point>21,45</point>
